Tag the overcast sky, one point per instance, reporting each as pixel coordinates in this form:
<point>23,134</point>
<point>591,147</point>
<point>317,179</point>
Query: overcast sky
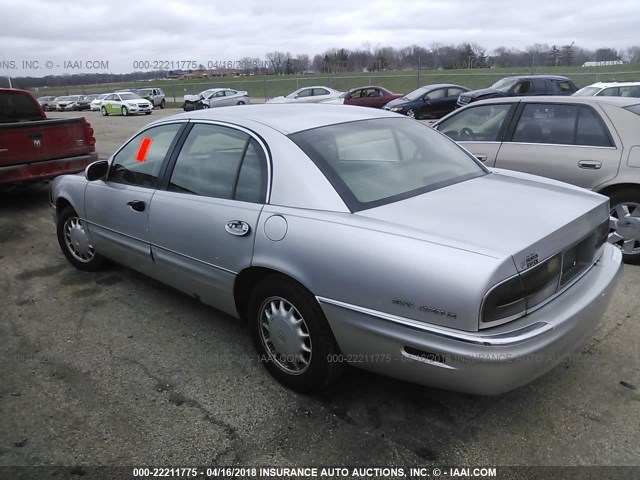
<point>121,32</point>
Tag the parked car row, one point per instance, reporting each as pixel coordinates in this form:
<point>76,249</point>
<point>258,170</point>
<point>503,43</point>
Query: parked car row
<point>123,102</point>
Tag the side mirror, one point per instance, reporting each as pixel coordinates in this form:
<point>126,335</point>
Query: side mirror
<point>426,99</point>
<point>97,170</point>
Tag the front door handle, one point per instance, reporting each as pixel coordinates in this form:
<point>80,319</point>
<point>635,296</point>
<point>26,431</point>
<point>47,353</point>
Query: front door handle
<point>237,227</point>
<point>137,205</point>
<point>481,157</point>
<point>590,164</point>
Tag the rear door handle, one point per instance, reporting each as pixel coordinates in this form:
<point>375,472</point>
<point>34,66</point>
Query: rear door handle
<point>590,164</point>
<point>481,157</point>
<point>137,205</point>
<point>237,227</point>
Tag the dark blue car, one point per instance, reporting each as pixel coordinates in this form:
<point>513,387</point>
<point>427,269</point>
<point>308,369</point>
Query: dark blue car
<point>429,101</point>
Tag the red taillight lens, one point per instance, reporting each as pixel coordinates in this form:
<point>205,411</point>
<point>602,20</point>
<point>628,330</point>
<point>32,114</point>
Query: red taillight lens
<point>88,134</point>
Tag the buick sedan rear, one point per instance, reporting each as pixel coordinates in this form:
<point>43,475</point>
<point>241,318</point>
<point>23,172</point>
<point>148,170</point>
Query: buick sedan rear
<point>351,236</point>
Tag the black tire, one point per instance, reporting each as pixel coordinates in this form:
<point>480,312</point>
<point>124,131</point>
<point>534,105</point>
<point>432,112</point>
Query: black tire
<point>321,365</point>
<point>411,113</point>
<point>104,112</point>
<point>68,220</point>
<point>241,103</point>
<point>162,104</point>
<point>125,111</point>
<point>147,113</point>
<point>631,198</point>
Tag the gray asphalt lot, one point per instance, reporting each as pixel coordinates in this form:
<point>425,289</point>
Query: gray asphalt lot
<point>113,368</point>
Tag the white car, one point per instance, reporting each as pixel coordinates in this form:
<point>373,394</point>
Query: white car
<point>97,102</point>
<point>125,103</point>
<point>219,97</point>
<point>315,94</point>
<point>610,89</point>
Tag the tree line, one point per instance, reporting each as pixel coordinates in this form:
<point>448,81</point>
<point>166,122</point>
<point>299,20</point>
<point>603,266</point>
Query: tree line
<point>375,58</point>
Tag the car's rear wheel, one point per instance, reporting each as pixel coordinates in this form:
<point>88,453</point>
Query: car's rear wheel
<point>162,104</point>
<point>75,242</point>
<point>625,223</point>
<point>292,336</point>
<point>241,103</point>
<point>104,111</point>
<point>124,111</point>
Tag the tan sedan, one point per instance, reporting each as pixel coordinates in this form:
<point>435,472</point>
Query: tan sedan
<point>592,142</point>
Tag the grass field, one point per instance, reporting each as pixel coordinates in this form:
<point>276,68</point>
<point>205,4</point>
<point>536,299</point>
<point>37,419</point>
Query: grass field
<point>397,81</point>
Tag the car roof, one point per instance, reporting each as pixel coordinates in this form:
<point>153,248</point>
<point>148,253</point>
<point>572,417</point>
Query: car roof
<point>618,101</point>
<point>287,118</point>
<point>613,84</point>
<point>440,85</point>
<point>528,77</point>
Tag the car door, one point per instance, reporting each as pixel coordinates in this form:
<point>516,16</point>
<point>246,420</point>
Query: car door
<point>433,103</point>
<point>480,128</point>
<point>449,102</point>
<point>374,98</point>
<point>573,143</point>
<point>320,94</point>
<point>354,97</point>
<point>202,226</point>
<point>229,97</point>
<point>217,99</point>
<point>117,208</point>
<point>304,96</point>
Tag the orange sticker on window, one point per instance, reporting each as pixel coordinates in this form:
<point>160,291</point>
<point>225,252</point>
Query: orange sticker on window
<point>143,149</point>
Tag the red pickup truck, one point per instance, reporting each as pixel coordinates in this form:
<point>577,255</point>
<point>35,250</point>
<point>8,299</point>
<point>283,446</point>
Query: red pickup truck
<point>34,147</point>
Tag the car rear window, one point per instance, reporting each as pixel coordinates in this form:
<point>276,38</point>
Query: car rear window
<point>379,161</point>
<point>16,106</point>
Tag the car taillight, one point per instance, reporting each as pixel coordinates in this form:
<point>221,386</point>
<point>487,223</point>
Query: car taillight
<point>88,134</point>
<point>512,298</point>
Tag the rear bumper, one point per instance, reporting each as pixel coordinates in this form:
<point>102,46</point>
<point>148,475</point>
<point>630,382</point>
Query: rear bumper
<point>489,362</point>
<point>31,172</point>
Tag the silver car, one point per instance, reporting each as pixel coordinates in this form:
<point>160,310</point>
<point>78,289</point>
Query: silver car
<point>220,97</point>
<point>315,94</point>
<point>592,142</point>
<point>351,236</point>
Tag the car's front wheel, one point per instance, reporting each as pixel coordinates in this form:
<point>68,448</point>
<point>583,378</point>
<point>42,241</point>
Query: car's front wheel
<point>411,113</point>
<point>124,111</point>
<point>241,102</point>
<point>75,242</point>
<point>104,111</point>
<point>625,223</point>
<point>292,335</point>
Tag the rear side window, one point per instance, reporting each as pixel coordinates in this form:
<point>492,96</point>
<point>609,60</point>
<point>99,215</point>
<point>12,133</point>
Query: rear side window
<point>561,124</point>
<point>634,108</point>
<point>15,107</point>
<point>220,162</point>
<point>609,92</point>
<point>565,86</point>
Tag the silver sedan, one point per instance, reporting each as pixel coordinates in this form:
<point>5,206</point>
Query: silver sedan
<point>351,236</point>
<point>220,97</point>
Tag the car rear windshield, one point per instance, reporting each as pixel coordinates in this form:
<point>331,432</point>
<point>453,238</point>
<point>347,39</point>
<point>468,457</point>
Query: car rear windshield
<point>15,107</point>
<point>634,108</point>
<point>379,161</point>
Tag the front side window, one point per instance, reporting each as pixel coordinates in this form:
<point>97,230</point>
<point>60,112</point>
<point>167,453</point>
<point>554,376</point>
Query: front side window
<point>565,86</point>
<point>454,92</point>
<point>307,92</point>
<point>436,94</point>
<point>139,162</point>
<point>220,162</point>
<point>522,88</point>
<point>374,162</point>
<point>481,123</point>
<point>609,92</point>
